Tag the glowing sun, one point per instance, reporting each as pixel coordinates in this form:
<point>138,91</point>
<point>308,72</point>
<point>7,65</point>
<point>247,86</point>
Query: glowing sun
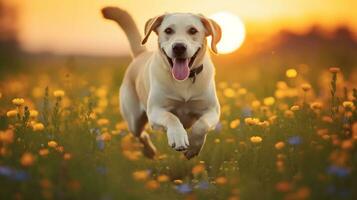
<point>233,31</point>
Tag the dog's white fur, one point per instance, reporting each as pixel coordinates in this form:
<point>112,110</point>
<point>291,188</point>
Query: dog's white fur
<point>149,91</point>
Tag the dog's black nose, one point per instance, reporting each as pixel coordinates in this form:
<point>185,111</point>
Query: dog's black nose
<point>179,49</point>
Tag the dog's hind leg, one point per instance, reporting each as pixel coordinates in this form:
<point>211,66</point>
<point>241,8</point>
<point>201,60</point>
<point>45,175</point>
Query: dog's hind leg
<point>136,118</point>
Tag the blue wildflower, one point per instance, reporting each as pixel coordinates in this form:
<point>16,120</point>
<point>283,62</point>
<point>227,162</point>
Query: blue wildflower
<point>184,188</point>
<point>218,127</point>
<point>102,170</point>
<point>20,176</point>
<point>246,112</point>
<point>17,175</point>
<point>100,144</point>
<point>294,140</point>
<point>338,171</point>
<point>5,171</point>
<point>203,185</point>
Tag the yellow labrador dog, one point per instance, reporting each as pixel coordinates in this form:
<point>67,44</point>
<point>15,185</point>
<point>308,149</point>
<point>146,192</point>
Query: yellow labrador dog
<point>173,87</point>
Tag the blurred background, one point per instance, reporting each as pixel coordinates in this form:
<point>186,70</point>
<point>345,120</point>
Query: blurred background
<point>274,35</point>
<point>288,125</point>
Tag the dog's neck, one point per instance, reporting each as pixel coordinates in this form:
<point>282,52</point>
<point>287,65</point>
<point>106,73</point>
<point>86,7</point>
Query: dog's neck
<point>194,72</point>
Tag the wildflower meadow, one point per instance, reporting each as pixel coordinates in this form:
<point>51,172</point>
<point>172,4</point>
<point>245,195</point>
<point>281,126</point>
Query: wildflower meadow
<point>285,74</point>
<point>68,141</point>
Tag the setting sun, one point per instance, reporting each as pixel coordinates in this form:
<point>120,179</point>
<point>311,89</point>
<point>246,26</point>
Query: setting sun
<point>233,31</point>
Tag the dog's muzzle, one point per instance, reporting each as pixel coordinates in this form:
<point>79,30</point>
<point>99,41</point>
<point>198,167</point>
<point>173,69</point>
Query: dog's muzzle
<point>180,66</point>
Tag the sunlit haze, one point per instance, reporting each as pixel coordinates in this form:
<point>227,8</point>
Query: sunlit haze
<point>233,31</point>
<point>76,27</point>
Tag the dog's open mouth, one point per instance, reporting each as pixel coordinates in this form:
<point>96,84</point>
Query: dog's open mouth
<point>180,67</point>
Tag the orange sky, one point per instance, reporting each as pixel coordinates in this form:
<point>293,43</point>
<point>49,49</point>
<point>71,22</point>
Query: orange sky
<point>75,26</point>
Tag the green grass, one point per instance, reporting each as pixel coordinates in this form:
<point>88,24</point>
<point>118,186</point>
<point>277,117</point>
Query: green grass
<point>96,158</point>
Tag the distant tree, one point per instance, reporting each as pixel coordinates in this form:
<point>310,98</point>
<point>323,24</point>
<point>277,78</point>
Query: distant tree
<point>9,46</point>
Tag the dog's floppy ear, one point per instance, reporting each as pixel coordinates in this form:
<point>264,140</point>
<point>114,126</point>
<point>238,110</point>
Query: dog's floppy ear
<point>151,25</point>
<point>214,30</point>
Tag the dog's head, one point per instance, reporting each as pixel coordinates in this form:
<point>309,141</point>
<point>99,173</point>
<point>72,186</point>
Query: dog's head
<point>182,40</point>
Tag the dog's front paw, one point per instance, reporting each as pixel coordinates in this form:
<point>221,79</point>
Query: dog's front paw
<point>196,144</point>
<point>177,138</point>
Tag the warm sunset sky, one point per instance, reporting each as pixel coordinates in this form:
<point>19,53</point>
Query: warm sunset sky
<point>76,26</point>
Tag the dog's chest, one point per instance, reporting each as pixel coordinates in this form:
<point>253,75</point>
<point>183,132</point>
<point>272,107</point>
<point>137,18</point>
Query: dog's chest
<point>186,107</point>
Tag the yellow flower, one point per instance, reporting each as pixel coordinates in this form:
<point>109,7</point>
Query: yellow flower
<point>273,119</point>
<point>121,126</point>
<point>347,104</point>
<point>132,155</point>
<point>327,119</point>
<point>67,156</point>
<point>256,104</point>
<point>251,121</point>
<point>264,124</point>
<point>242,91</point>
<point>334,69</point>
<point>18,101</point>
<point>43,152</point>
<point>289,114</point>
<point>291,73</point>
<point>279,145</point>
<point>58,93</point>
<point>217,140</point>
<point>229,92</point>
<point>279,94</point>
<point>102,103</point>
<point>316,105</point>
<point>178,182</point>
<point>11,113</point>
<point>103,122</point>
<point>105,136</point>
<point>198,169</point>
<point>101,92</point>
<point>152,185</point>
<point>92,115</point>
<point>60,149</point>
<point>38,127</point>
<point>163,178</point>
<point>7,136</point>
<point>256,139</point>
<point>306,87</point>
<point>269,101</point>
<point>33,113</point>
<point>295,108</point>
<point>141,175</point>
<point>234,124</point>
<point>27,159</point>
<point>230,140</point>
<point>347,144</point>
<point>222,85</point>
<point>292,92</point>
<point>221,180</point>
<point>325,137</point>
<point>52,144</point>
<point>283,186</point>
<point>282,85</point>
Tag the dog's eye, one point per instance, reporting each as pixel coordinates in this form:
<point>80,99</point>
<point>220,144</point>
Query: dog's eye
<point>192,31</point>
<point>169,31</point>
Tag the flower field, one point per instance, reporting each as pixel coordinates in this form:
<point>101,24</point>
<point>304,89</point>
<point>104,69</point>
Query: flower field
<point>63,138</point>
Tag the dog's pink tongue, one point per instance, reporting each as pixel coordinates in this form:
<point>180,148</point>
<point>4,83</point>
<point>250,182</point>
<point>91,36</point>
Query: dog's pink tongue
<point>180,70</point>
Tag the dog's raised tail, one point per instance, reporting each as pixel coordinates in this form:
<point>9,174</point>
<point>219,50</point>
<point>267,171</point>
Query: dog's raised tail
<point>127,23</point>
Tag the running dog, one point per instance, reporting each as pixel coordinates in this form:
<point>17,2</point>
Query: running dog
<point>173,87</point>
